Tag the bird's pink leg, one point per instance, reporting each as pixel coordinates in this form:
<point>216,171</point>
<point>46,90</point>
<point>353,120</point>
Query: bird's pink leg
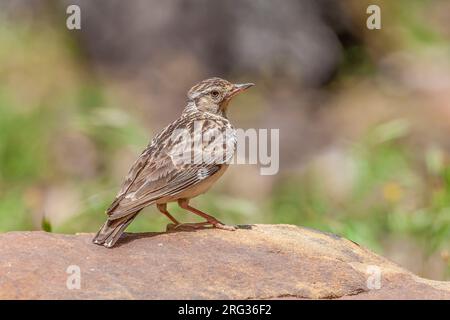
<point>184,203</point>
<point>162,207</point>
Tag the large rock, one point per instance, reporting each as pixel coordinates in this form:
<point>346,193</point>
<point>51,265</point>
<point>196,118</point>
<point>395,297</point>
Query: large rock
<point>261,261</point>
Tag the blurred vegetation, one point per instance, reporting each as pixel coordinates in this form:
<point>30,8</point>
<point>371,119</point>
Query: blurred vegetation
<point>67,137</point>
<point>391,193</point>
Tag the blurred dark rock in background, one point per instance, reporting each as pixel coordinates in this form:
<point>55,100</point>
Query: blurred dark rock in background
<point>295,39</point>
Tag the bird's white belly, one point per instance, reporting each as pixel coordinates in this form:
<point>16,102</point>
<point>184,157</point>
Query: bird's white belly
<point>197,189</point>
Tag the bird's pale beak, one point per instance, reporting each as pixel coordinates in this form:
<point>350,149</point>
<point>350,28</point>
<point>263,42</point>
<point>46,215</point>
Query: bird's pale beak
<point>239,88</point>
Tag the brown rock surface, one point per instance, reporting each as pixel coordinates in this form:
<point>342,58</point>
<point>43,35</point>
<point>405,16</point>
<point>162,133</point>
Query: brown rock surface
<point>266,261</point>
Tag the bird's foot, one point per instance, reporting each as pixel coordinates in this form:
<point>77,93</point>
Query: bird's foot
<point>199,225</point>
<point>187,226</point>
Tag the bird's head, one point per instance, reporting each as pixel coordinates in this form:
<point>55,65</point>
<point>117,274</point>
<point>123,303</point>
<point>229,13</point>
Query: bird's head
<point>213,95</point>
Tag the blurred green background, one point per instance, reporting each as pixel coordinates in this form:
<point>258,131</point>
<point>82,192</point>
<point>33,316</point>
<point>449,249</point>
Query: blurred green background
<point>364,115</point>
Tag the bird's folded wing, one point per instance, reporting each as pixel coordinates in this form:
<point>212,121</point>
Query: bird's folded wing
<point>162,172</point>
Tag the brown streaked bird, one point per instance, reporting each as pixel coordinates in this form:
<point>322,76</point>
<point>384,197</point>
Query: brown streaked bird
<point>158,176</point>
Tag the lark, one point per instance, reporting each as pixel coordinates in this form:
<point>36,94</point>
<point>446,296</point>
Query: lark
<point>160,175</point>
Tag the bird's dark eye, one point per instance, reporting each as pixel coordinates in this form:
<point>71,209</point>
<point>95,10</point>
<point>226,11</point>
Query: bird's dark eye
<point>215,93</point>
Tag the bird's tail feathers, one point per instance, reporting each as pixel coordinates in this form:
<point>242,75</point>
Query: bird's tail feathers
<point>111,231</point>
